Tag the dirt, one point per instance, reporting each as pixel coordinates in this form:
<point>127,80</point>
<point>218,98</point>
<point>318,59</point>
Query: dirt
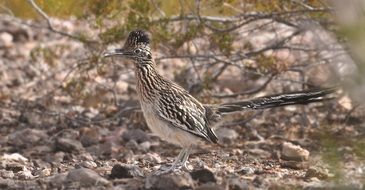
<point>55,136</point>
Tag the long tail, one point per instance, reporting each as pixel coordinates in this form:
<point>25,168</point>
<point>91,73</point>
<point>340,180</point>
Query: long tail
<point>300,97</point>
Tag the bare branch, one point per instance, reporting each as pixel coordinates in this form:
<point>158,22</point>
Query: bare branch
<point>160,11</point>
<point>50,26</point>
<point>247,92</point>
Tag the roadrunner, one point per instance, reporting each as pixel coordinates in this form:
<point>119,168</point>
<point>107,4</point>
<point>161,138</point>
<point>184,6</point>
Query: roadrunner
<point>176,116</point>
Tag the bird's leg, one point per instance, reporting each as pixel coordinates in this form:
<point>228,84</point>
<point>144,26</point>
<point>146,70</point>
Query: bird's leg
<point>178,160</point>
<point>185,159</point>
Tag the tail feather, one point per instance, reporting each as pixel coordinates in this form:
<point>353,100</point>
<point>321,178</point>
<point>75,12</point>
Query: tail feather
<point>293,98</point>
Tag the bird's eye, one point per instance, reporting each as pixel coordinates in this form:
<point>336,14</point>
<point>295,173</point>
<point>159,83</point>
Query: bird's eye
<point>137,51</point>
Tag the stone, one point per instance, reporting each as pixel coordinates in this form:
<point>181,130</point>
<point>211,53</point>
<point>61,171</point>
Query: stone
<point>145,146</point>
<point>294,152</point>
<point>236,183</point>
<point>25,174</point>
<point>14,157</point>
<point>86,177</point>
<point>68,145</point>
<point>88,164</point>
<point>203,176</point>
<point>246,171</point>
<point>294,165</point>
<point>44,172</point>
<point>27,137</point>
<point>150,158</point>
<point>226,135</point>
<point>7,174</point>
<point>58,180</point>
<point>89,136</point>
<point>318,172</point>
<point>135,134</point>
<point>169,181</point>
<point>126,171</point>
<point>6,39</point>
<point>210,186</point>
<point>14,166</point>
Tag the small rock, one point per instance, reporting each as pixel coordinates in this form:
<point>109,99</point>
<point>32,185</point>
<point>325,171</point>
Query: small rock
<point>6,174</point>
<point>169,181</point>
<point>14,166</point>
<point>151,158</point>
<point>135,134</point>
<point>203,176</point>
<point>145,146</point>
<point>237,184</point>
<point>86,156</point>
<point>68,145</point>
<point>6,39</point>
<point>14,157</point>
<point>25,174</point>
<point>258,181</point>
<point>132,145</point>
<point>58,180</point>
<point>318,172</point>
<point>226,135</point>
<point>27,137</point>
<point>260,152</point>
<point>210,186</point>
<point>125,171</point>
<point>56,158</point>
<point>246,171</point>
<point>86,177</point>
<point>294,152</point>
<point>44,172</point>
<point>103,149</point>
<point>294,165</point>
<point>89,136</point>
<point>88,164</point>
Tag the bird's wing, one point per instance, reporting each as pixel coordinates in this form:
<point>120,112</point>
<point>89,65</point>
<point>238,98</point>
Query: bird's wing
<point>183,111</point>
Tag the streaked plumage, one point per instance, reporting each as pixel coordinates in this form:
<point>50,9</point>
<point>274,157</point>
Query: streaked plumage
<point>176,116</point>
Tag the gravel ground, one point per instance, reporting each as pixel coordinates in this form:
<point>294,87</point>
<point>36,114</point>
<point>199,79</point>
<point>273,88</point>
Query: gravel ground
<point>46,143</point>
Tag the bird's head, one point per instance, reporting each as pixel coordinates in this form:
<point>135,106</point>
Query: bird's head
<point>135,48</point>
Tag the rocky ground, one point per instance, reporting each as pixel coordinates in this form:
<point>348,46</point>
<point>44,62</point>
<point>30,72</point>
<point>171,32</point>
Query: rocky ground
<point>51,138</point>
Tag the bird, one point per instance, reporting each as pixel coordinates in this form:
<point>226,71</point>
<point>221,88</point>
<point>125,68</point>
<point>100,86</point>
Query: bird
<point>175,115</point>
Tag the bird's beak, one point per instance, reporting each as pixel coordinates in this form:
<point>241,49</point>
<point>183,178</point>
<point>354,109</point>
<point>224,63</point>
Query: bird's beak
<point>113,52</point>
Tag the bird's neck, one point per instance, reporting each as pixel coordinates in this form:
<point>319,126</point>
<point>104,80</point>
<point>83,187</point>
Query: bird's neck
<point>148,79</point>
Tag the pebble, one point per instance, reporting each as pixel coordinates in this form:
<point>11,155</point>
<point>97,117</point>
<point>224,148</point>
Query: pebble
<point>318,172</point>
<point>203,175</point>
<point>294,165</point>
<point>14,157</point>
<point>89,136</point>
<point>151,158</point>
<point>14,166</point>
<point>226,135</point>
<point>86,177</point>
<point>25,174</point>
<point>236,183</point>
<point>169,181</point>
<point>27,137</point>
<point>294,152</point>
<point>7,174</point>
<point>88,164</point>
<point>126,171</point>
<point>6,40</point>
<point>135,134</point>
<point>246,171</point>
<point>210,186</point>
<point>68,145</point>
<point>43,172</point>
<point>58,179</point>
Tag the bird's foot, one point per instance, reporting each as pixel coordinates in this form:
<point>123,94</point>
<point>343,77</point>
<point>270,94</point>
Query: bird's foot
<point>174,168</point>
